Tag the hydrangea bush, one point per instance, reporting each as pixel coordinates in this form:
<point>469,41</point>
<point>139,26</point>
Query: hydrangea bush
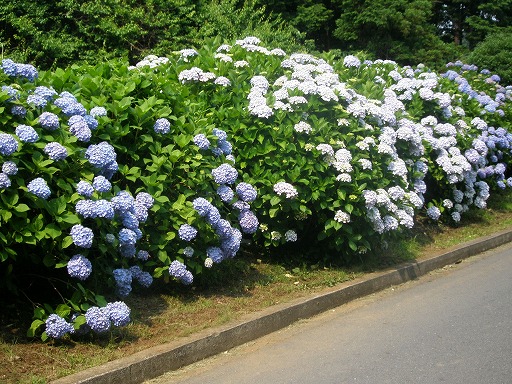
<point>113,176</point>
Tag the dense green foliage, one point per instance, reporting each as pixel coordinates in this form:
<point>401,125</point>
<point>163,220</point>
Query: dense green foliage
<point>494,53</point>
<point>234,145</point>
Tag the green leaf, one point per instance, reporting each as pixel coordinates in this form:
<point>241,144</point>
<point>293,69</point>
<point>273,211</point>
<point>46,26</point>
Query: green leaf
<point>21,208</point>
<point>34,327</point>
<point>63,310</point>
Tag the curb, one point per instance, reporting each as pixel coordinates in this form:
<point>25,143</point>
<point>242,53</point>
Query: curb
<point>156,361</point>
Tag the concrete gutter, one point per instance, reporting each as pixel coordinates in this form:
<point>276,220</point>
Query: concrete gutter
<point>160,359</point>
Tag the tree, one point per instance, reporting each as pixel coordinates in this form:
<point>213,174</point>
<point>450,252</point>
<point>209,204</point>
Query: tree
<point>467,22</point>
<point>494,54</point>
<point>389,29</point>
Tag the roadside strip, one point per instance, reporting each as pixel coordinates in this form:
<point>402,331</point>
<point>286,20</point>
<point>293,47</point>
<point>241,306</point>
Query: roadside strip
<point>160,359</point>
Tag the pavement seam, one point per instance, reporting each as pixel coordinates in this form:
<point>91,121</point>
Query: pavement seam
<point>156,361</point>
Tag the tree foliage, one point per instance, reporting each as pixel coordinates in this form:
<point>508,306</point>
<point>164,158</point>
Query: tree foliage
<point>494,54</point>
<point>57,33</point>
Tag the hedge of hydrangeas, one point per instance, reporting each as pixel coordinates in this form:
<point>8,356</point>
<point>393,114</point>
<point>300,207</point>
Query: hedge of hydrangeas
<point>119,175</point>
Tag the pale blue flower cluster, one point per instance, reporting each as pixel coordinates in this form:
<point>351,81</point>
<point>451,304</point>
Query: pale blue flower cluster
<point>101,184</point>
<point>13,69</point>
<point>162,126</point>
<point>82,236</point>
<point>39,188</point>
<point>26,133</point>
<point>178,270</point>
<point>123,278</point>
<point>224,174</point>
<point>8,144</point>
<point>5,182</point>
<point>57,327</point>
<point>102,156</point>
<point>187,232</point>
<point>55,151</point>
<point>49,120</point>
<point>9,168</point>
<point>79,267</point>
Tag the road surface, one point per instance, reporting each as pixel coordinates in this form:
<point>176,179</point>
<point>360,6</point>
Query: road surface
<point>453,325</point>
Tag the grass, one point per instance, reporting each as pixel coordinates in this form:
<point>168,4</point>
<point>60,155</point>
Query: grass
<point>247,284</point>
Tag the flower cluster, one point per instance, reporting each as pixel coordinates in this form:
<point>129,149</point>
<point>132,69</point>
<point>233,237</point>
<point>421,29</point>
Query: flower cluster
<point>283,188</point>
<point>79,267</point>
<point>180,272</point>
<point>13,69</point>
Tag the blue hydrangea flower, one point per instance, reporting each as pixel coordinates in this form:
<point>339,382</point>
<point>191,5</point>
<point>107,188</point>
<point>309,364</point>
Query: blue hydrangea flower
<point>101,184</point>
<point>8,144</point>
<point>86,209</point>
<point>145,199</point>
<point>84,188</point>
<point>98,112</point>
<point>225,147</point>
<point>226,194</point>
<point>75,119</point>
<point>187,232</point>
<point>130,220</point>
<point>18,110</point>
<point>221,135</point>
<point>145,279</point>
<point>241,205</point>
<point>100,155</point>
<point>123,278</point>
<point>201,141</point>
<point>57,327</point>
<point>81,130</point>
<point>45,92</point>
<point>143,255</point>
<point>123,202</point>
<point>13,92</point>
<point>231,244</point>
<point>162,126</point>
<point>26,133</point>
<point>223,228</point>
<point>246,192</point>
<point>92,123</point>
<point>98,319</point>
<point>188,251</point>
<point>215,254</point>
<point>9,67</point>
<point>179,271</point>
<point>70,106</point>
<point>37,101</point>
<point>28,71</point>
<point>55,151</point>
<point>248,222</point>
<point>213,216</point>
<point>79,267</point>
<point>49,120</point>
<point>110,238</point>
<point>9,168</point>
<point>127,237</point>
<point>5,182</point>
<point>141,212</point>
<point>103,209</point>
<point>127,250</point>
<point>39,188</point>
<point>202,206</point>
<point>12,69</point>
<point>119,313</point>
<point>82,236</point>
<point>224,174</point>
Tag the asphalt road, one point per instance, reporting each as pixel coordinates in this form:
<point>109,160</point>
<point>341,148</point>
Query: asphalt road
<point>451,326</point>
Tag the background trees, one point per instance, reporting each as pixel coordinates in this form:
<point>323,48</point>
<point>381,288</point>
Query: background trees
<point>56,33</point>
